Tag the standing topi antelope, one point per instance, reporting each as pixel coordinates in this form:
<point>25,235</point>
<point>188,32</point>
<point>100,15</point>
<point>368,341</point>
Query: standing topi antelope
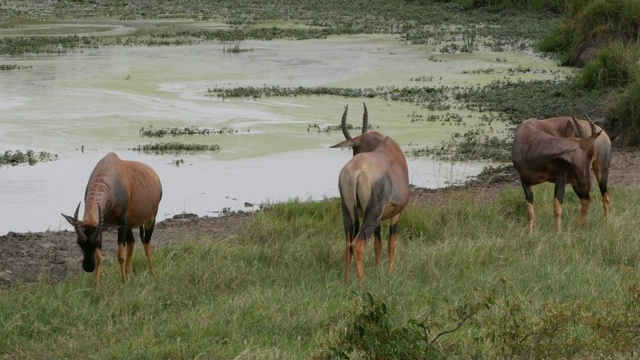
<point>560,150</point>
<point>373,185</point>
<point>119,193</point>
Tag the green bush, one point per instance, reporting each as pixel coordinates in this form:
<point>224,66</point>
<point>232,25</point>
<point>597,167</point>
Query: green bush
<point>623,114</point>
<point>595,21</point>
<point>371,335</point>
<point>615,65</point>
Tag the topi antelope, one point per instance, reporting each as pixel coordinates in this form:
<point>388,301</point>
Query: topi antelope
<point>561,150</point>
<point>119,193</point>
<point>373,185</point>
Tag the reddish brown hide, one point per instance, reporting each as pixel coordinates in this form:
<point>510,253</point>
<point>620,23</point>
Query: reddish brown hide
<point>562,150</point>
<point>374,186</point>
<point>119,193</point>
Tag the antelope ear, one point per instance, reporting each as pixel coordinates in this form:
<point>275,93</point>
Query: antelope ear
<point>70,219</point>
<point>344,144</point>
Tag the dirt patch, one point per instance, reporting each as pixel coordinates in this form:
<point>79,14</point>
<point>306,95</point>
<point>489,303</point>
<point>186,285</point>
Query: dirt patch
<point>54,255</point>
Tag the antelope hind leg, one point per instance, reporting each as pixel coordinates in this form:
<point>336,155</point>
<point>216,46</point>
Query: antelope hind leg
<point>393,235</point>
<point>377,244</point>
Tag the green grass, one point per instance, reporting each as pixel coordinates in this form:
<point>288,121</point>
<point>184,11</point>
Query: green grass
<point>277,292</point>
<point>593,20</point>
<point>614,66</point>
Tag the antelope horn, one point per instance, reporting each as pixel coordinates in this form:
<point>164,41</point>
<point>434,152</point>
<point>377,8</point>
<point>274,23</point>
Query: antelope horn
<point>95,235</point>
<point>343,124</point>
<point>574,127</point>
<point>577,128</point>
<point>78,229</point>
<point>365,119</point>
<point>593,127</point>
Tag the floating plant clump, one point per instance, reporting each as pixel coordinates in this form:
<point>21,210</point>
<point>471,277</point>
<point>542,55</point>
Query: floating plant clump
<point>31,157</point>
<point>176,131</point>
<point>475,144</point>
<point>451,118</point>
<point>432,98</point>
<point>174,148</point>
<point>330,128</point>
<point>13,67</point>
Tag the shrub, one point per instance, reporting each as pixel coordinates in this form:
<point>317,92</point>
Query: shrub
<point>615,65</point>
<point>592,24</point>
<point>623,114</point>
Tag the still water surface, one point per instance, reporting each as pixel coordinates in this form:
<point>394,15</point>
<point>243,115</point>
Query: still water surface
<point>98,99</point>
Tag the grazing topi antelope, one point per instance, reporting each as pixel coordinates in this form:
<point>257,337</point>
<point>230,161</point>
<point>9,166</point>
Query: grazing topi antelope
<point>119,193</point>
<point>560,150</point>
<point>374,185</point>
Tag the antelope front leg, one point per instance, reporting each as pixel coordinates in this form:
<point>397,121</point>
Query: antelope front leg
<point>528,195</point>
<point>584,208</point>
<point>145,236</point>
<point>147,253</point>
<point>557,212</point>
<point>131,243</point>
<point>127,263</point>
<point>121,259</point>
<point>558,197</point>
<point>96,272</point>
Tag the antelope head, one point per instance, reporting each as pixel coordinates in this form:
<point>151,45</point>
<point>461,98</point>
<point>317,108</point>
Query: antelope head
<point>89,238</point>
<point>366,141</point>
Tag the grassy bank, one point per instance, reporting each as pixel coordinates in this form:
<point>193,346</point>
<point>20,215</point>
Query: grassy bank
<point>603,36</point>
<point>277,292</point>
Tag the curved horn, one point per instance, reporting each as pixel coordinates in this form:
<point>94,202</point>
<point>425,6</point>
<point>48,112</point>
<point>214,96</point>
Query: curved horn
<point>343,124</point>
<point>572,123</point>
<point>577,128</point>
<point>95,235</point>
<point>78,228</point>
<point>593,127</point>
<point>365,119</point>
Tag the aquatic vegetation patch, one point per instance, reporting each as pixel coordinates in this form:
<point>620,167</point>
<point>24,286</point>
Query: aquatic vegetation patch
<point>434,98</point>
<point>13,67</point>
<point>338,127</point>
<point>31,157</point>
<point>185,131</point>
<point>174,148</point>
<point>437,23</point>
<point>233,47</point>
<point>513,71</point>
<point>520,100</point>
<point>449,117</point>
<point>510,102</point>
<point>46,44</point>
<point>476,144</point>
